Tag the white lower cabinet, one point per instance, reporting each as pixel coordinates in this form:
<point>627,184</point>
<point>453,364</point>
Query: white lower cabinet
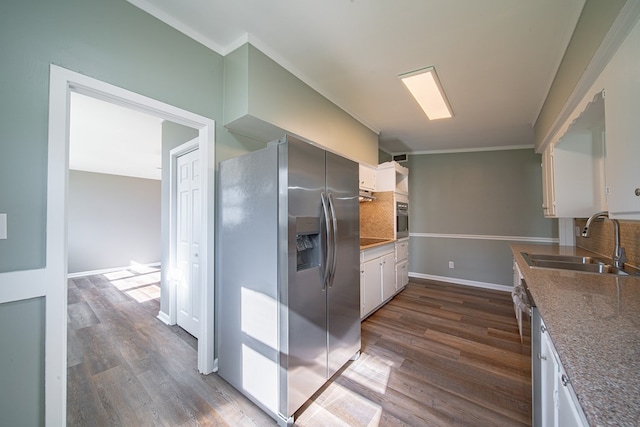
<point>377,277</point>
<point>559,404</point>
<point>388,273</point>
<point>402,274</point>
<point>402,263</point>
<point>370,286</point>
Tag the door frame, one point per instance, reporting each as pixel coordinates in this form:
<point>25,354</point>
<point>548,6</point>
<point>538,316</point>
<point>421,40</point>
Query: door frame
<point>61,83</point>
<point>185,148</point>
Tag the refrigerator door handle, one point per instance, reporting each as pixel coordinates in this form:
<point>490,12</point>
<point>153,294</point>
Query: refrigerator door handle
<point>334,243</point>
<point>327,254</point>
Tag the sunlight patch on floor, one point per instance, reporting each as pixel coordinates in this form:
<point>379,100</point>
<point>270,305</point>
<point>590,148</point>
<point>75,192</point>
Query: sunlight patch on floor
<point>141,268</point>
<point>115,275</point>
<point>144,293</point>
<point>374,374</point>
<point>136,281</point>
<point>338,406</point>
<point>140,282</point>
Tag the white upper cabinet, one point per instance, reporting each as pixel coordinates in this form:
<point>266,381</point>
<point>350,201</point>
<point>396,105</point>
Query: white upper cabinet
<point>622,101</point>
<point>573,176</point>
<point>391,176</point>
<point>367,178</point>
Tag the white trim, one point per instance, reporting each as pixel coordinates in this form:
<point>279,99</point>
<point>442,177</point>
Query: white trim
<point>164,318</point>
<point>465,282</point>
<point>488,237</point>
<point>178,25</point>
<point>173,227</point>
<point>108,270</point>
<point>21,285</point>
<point>469,150</point>
<point>62,82</point>
<point>624,22</point>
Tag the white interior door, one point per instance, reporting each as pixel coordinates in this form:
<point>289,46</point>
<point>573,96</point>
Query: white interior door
<point>188,221</point>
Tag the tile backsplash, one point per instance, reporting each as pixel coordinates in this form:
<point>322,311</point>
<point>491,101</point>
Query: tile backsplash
<point>601,239</point>
<point>377,216</point>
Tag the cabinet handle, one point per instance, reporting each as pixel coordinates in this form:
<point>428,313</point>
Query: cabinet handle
<point>541,357</point>
<point>637,191</point>
<point>565,380</point>
<point>543,329</point>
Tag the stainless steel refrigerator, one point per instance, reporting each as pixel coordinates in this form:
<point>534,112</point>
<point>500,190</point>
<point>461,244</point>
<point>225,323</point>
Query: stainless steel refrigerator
<point>288,281</point>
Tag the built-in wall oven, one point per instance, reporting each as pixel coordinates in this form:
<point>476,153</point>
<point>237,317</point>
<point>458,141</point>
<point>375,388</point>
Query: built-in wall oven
<point>402,219</point>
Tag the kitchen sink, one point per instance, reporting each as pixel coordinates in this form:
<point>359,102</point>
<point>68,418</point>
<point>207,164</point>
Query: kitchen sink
<point>564,258</point>
<point>572,262</point>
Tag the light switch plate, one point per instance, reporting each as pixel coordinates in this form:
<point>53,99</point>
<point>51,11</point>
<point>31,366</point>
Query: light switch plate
<point>3,226</point>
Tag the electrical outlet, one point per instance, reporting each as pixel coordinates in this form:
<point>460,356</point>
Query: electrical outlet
<point>451,264</point>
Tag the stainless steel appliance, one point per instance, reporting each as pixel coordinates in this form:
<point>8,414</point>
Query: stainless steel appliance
<point>402,219</point>
<point>288,293</point>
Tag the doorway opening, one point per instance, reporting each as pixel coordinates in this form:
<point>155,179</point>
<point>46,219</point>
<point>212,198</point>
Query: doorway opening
<point>62,83</point>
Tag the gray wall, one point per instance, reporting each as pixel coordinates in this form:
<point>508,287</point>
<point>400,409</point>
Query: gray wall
<point>113,220</point>
<point>112,41</point>
<point>491,193</point>
<point>261,97</point>
<point>22,363</point>
<point>384,157</point>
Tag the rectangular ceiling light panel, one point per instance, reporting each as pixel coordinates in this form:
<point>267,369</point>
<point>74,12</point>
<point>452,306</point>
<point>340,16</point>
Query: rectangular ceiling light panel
<point>427,90</point>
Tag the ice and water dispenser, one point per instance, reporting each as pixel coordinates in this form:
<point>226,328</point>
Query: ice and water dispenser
<point>307,242</point>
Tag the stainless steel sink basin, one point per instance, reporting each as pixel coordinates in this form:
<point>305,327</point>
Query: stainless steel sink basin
<point>564,258</point>
<point>572,262</point>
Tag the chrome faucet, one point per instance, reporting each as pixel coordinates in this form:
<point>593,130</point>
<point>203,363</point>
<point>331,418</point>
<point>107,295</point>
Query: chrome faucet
<point>618,257</point>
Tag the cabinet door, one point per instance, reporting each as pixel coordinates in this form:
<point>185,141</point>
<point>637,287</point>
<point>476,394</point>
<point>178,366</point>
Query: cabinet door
<point>622,104</point>
<point>560,407</point>
<point>388,265</point>
<point>548,380</point>
<point>367,178</point>
<point>372,286</point>
<point>402,274</point>
<point>548,197</point>
<point>569,413</point>
<point>362,290</point>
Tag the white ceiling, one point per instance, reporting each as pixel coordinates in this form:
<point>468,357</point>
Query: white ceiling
<point>496,59</point>
<point>107,138</point>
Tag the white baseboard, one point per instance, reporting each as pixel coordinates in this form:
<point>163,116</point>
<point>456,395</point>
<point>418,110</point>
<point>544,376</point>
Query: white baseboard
<point>465,282</point>
<point>108,270</point>
<point>164,318</point>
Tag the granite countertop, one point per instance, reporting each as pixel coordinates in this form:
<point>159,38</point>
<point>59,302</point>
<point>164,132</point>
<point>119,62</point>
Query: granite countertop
<point>594,323</point>
<point>372,242</point>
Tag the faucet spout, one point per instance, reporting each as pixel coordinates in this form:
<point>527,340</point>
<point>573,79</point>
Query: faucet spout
<point>618,257</point>
<point>585,230</point>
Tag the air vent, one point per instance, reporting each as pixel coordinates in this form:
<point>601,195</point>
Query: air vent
<point>400,158</point>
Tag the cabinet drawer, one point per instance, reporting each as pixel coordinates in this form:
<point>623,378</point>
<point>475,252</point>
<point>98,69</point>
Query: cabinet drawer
<point>402,250</point>
<point>377,252</point>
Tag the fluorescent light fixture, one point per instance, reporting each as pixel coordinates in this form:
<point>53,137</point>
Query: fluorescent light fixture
<point>427,90</point>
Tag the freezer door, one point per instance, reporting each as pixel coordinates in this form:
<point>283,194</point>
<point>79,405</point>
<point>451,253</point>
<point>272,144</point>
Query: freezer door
<point>344,287</point>
<point>303,319</point>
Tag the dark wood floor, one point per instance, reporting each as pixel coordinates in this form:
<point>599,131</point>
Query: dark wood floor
<point>436,355</point>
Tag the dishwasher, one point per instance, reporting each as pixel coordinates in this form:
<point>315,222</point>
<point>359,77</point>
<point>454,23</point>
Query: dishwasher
<point>527,312</point>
